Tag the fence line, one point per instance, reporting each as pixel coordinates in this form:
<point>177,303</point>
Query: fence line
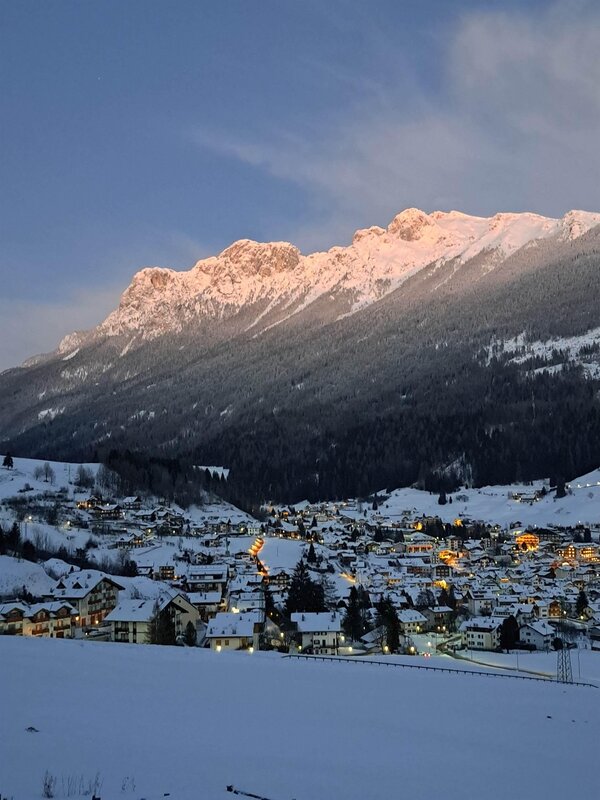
<point>370,662</point>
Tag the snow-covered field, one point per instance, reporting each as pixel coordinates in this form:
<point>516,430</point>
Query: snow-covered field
<point>282,553</point>
<point>585,663</point>
<point>189,722</point>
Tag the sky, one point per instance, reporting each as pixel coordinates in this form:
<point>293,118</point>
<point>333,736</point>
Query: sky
<point>154,133</point>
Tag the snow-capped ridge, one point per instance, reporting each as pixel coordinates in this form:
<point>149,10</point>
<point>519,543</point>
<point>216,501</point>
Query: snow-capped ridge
<point>277,280</point>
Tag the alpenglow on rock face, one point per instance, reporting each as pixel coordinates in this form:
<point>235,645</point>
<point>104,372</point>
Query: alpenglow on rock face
<point>273,281</point>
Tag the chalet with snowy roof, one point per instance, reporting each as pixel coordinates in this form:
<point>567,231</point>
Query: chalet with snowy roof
<point>89,502</point>
<point>131,619</point>
<point>12,615</point>
<point>166,572</point>
<point>132,541</point>
<point>248,601</point>
<point>207,578</point>
<point>51,619</point>
<point>539,634</point>
<point>479,601</point>
<point>229,631</point>
<point>133,503</point>
<point>107,511</point>
<point>438,617</point>
<point>208,603</point>
<point>320,632</point>
<point>481,633</point>
<point>279,579</point>
<point>94,594</point>
<point>411,621</point>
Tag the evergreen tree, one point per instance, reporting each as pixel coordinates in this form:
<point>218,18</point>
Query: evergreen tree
<point>312,556</point>
<point>442,498</point>
<point>270,608</point>
<point>509,633</point>
<point>451,598</point>
<point>330,595</point>
<point>425,599</point>
<point>161,629</point>
<point>560,488</point>
<point>28,550</point>
<point>387,618</point>
<point>582,603</point>
<point>444,598</point>
<point>304,594</point>
<point>353,623</point>
<point>8,461</point>
<point>13,539</point>
<point>189,635</point>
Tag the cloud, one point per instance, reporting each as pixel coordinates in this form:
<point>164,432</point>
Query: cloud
<point>514,125</point>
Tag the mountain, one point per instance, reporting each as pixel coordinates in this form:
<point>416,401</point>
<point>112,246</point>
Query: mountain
<point>427,350</point>
<point>267,283</point>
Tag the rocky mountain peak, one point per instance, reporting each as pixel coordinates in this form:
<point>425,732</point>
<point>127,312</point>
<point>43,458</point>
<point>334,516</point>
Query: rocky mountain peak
<point>262,258</point>
<point>410,224</point>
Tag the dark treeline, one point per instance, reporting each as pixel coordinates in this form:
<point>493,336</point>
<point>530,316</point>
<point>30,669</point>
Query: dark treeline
<point>522,428</point>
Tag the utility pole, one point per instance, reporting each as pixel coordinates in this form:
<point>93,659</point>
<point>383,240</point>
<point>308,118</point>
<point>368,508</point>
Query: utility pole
<point>564,671</point>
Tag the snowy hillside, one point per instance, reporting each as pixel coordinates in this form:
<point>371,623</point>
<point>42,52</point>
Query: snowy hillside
<point>24,471</point>
<point>282,729</point>
<point>278,281</point>
<point>496,505</point>
<point>16,574</point>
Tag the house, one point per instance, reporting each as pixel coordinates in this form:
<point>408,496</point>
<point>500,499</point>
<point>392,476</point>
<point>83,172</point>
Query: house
<point>12,615</point>
<point>207,578</point>
<point>248,601</point>
<point>278,579</point>
<point>594,634</point>
<point>320,631</point>
<point>207,603</point>
<point>166,572</point>
<point>481,633</point>
<point>55,620</point>
<point>411,621</point>
<point>94,594</point>
<point>108,511</point>
<point>131,619</point>
<point>52,619</point>
<point>132,503</point>
<point>229,631</point>
<point>438,617</point>
<point>540,634</point>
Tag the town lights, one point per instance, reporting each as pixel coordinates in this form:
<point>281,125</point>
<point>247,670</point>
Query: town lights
<point>218,648</point>
<point>250,650</point>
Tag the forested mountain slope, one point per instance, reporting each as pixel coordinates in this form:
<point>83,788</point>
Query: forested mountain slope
<point>376,365</point>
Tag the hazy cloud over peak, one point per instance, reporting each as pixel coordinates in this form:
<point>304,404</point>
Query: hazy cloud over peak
<point>515,126</point>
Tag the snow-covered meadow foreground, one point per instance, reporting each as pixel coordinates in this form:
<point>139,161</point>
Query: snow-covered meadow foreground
<point>189,722</point>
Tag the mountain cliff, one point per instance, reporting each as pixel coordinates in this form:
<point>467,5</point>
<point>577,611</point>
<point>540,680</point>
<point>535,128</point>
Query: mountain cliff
<point>273,281</point>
